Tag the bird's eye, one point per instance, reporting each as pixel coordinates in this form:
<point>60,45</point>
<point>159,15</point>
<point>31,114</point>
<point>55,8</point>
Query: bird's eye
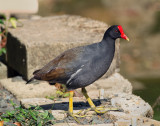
<point>116,30</point>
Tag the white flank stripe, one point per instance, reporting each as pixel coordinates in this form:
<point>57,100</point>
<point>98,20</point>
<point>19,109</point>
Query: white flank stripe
<point>73,75</point>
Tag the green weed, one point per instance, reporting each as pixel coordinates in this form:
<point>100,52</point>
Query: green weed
<point>32,116</point>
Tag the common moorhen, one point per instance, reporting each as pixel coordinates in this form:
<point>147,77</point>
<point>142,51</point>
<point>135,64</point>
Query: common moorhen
<point>81,66</point>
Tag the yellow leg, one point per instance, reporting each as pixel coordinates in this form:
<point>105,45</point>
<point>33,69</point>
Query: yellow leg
<point>93,107</point>
<point>71,106</point>
<point>71,102</point>
<point>100,109</point>
<point>88,98</point>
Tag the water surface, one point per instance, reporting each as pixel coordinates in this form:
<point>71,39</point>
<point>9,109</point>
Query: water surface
<point>150,93</point>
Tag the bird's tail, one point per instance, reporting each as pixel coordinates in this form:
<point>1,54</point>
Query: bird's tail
<point>30,80</point>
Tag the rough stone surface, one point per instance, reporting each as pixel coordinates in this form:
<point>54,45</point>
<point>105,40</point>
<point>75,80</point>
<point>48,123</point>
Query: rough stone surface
<point>39,41</point>
<point>125,119</point>
<point>35,101</point>
<point>3,71</point>
<point>132,104</point>
<point>74,124</point>
<point>18,87</point>
<point>5,98</point>
<point>114,84</point>
<point>121,118</point>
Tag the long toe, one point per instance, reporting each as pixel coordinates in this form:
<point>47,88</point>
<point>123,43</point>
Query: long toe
<point>80,114</point>
<point>103,109</point>
<point>74,117</point>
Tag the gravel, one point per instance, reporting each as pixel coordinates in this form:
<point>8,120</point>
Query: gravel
<point>95,119</point>
<point>5,98</point>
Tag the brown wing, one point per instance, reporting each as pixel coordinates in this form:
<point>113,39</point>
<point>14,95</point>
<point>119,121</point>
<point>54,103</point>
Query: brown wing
<point>59,67</point>
<point>54,74</point>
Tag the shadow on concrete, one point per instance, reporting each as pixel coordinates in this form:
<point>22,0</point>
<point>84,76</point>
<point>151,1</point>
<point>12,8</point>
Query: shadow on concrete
<point>64,105</point>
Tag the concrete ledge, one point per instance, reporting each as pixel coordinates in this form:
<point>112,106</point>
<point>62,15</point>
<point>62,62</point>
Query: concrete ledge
<point>122,118</point>
<point>39,41</point>
<point>17,86</point>
<point>112,85</point>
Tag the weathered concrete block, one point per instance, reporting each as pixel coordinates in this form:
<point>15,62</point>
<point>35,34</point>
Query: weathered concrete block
<point>135,116</point>
<point>132,104</point>
<point>17,86</point>
<point>39,41</point>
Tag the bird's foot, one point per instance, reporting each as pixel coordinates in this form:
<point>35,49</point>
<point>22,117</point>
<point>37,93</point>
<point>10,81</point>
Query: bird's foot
<point>74,117</point>
<point>81,113</point>
<point>77,115</point>
<point>88,113</point>
<point>103,109</point>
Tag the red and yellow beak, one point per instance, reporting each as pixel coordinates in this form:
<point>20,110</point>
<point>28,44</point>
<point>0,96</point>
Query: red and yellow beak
<point>124,37</point>
<point>122,33</point>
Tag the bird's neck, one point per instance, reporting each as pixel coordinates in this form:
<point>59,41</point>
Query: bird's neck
<point>108,42</point>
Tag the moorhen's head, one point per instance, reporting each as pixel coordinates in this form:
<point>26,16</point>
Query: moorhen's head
<point>114,32</point>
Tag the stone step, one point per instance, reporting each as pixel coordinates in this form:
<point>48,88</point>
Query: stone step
<point>135,112</point>
<point>40,40</point>
<point>132,105</point>
<point>114,84</point>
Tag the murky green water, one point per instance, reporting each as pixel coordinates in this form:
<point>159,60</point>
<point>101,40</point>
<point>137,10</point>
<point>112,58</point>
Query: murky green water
<point>150,93</point>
